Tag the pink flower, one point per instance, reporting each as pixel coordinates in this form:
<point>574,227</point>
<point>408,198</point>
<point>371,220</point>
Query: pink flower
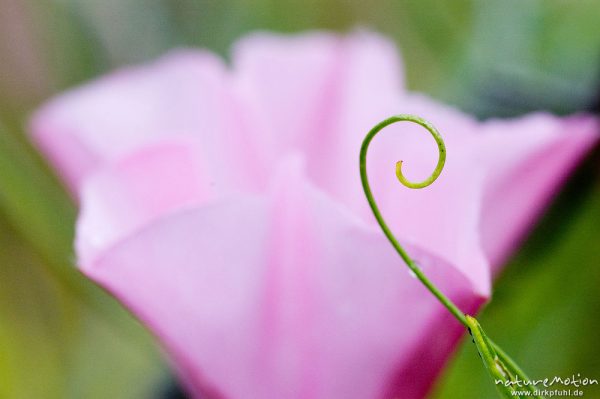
<point>223,206</point>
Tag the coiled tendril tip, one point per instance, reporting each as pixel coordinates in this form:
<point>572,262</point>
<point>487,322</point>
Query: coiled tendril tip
<point>434,133</point>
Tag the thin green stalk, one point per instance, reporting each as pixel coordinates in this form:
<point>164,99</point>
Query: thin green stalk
<point>499,365</point>
<point>452,308</point>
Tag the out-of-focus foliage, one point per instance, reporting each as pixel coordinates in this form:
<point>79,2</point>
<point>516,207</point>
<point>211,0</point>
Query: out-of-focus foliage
<point>59,334</point>
<point>62,337</point>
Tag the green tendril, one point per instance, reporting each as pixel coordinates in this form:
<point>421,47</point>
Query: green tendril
<point>386,230</point>
<point>499,365</point>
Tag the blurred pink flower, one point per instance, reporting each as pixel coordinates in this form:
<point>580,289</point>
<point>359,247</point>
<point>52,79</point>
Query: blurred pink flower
<point>223,206</point>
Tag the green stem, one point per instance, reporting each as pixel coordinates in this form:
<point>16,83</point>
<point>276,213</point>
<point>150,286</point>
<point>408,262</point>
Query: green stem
<point>497,362</point>
<point>386,230</point>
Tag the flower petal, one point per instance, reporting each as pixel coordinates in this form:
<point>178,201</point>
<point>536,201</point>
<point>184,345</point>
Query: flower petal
<point>527,160</point>
<point>297,90</point>
<point>129,194</point>
<point>285,296</point>
<point>184,93</point>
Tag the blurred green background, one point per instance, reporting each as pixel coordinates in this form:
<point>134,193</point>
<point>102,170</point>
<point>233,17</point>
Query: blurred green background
<point>62,337</point>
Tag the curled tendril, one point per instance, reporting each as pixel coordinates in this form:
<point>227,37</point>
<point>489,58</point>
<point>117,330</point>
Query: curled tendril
<point>498,363</point>
<point>436,136</point>
<point>386,230</point>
